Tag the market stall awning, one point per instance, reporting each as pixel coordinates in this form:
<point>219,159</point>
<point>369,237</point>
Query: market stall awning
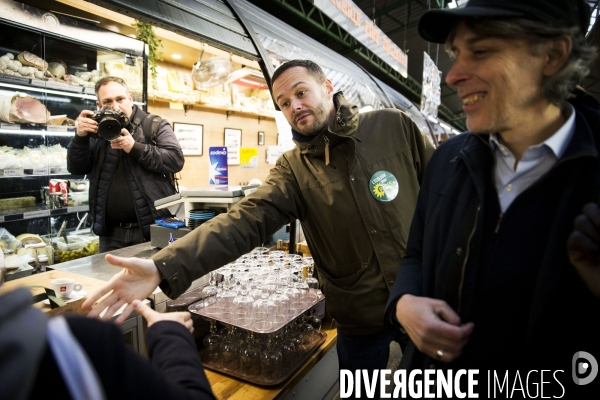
<point>209,21</point>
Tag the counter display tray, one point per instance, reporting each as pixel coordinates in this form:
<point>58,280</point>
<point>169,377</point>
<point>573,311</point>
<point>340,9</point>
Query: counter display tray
<point>261,380</point>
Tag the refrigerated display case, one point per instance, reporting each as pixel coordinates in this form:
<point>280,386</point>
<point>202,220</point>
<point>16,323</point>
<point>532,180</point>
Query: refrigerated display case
<point>49,65</point>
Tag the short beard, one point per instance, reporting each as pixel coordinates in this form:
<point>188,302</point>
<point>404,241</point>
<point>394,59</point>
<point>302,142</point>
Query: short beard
<point>321,117</point>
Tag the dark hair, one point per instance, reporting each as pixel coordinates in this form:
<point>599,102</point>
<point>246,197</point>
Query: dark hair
<point>310,66</point>
<point>560,86</point>
<point>107,79</point>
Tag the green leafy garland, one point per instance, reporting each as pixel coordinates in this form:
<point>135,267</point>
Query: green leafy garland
<point>145,32</point>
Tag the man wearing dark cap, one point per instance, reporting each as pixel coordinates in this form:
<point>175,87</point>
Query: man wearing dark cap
<point>486,281</point>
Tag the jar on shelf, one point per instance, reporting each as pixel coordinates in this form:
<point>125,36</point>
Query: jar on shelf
<point>43,261</point>
<point>31,261</point>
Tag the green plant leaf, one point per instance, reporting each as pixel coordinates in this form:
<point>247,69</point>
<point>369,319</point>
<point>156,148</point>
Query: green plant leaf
<point>145,32</point>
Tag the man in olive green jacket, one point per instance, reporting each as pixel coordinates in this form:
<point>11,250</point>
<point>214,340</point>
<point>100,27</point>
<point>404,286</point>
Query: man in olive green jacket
<point>352,181</point>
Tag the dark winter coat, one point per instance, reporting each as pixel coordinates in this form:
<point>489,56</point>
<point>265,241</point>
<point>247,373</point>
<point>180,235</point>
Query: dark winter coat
<point>509,273</point>
<point>148,169</point>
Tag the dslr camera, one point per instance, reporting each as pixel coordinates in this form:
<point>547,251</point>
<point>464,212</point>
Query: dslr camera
<point>110,123</point>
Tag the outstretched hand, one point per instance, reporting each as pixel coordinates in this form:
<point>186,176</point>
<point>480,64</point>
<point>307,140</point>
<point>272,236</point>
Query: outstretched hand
<point>433,326</point>
<point>584,247</point>
<point>151,316</point>
<point>138,279</point>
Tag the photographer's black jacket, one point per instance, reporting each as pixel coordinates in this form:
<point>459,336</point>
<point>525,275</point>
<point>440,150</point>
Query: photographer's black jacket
<point>148,170</point>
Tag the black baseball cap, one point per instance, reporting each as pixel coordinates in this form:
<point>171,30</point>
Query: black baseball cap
<point>435,25</point>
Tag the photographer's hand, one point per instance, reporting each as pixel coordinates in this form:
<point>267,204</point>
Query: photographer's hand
<point>86,125</point>
<point>125,142</point>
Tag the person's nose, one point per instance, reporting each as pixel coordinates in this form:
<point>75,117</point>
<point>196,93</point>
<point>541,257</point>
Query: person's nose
<point>296,104</point>
<point>458,73</point>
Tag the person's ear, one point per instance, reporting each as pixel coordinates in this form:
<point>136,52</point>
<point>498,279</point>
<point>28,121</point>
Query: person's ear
<point>329,87</point>
<point>558,52</point>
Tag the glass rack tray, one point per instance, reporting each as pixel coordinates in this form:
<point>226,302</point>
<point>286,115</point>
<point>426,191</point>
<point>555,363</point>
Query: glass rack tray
<point>201,308</point>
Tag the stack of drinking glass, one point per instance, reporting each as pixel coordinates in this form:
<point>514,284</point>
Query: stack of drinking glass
<point>265,303</point>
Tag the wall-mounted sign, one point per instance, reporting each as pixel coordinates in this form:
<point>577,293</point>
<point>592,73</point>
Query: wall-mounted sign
<point>273,153</point>
<point>190,138</point>
<point>431,94</point>
<point>217,171</point>
<point>347,15</point>
<point>284,129</point>
<point>233,142</point>
<point>249,157</point>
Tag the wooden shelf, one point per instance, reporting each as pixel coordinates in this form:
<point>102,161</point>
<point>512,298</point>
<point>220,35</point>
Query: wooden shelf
<point>205,106</point>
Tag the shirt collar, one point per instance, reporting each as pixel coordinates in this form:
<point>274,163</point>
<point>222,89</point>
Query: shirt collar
<point>557,142</point>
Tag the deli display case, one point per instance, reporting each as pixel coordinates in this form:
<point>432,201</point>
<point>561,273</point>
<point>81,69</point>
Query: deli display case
<point>49,65</point>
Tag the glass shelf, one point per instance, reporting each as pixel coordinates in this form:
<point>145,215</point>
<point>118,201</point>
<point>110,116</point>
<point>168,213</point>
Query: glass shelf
<point>38,211</point>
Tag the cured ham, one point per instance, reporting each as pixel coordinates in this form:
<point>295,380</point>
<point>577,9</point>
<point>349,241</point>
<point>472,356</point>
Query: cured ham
<point>20,108</point>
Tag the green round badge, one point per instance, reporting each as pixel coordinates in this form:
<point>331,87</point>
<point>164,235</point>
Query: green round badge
<point>383,186</point>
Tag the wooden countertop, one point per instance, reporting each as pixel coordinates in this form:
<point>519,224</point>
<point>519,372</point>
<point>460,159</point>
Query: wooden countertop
<point>226,387</point>
<point>43,279</point>
<point>223,386</point>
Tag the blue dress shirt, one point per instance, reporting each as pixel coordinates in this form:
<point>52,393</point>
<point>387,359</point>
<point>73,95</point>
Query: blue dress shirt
<point>536,161</point>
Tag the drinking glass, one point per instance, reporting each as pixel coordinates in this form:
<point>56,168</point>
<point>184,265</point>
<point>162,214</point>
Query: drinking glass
<point>316,321</point>
<point>263,310</point>
<point>242,305</point>
<point>307,332</point>
<point>288,349</point>
<point>312,282</point>
<point>293,332</point>
<point>209,294</point>
<point>282,302</point>
<point>212,344</point>
<point>250,356</point>
<point>261,250</point>
<point>294,296</point>
<point>262,260</point>
<point>305,297</point>
<point>225,300</point>
<point>230,350</point>
<point>270,360</point>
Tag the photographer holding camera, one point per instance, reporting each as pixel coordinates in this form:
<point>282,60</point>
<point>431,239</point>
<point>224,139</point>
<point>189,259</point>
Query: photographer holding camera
<point>129,157</point>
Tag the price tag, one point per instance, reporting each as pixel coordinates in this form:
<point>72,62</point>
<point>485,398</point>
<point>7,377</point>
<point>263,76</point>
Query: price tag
<point>4,125</point>
<point>63,86</point>
<point>40,171</point>
<point>19,80</point>
<point>57,128</point>
<point>59,170</point>
<point>36,214</point>
<point>13,172</point>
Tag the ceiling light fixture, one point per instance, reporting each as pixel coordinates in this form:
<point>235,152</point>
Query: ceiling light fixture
<point>176,56</point>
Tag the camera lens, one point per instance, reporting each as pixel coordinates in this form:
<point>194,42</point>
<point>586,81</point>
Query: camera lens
<point>109,128</point>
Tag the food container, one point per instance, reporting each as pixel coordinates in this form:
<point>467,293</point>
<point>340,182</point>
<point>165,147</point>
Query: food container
<point>75,248</point>
<point>79,198</point>
<point>79,185</point>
